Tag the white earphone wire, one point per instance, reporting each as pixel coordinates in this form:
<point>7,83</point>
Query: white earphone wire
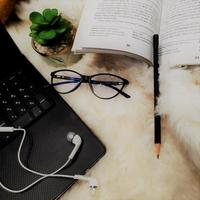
<point>92,181</point>
<point>33,171</point>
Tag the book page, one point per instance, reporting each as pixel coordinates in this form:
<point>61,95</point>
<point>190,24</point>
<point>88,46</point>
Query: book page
<point>180,32</point>
<point>123,25</point>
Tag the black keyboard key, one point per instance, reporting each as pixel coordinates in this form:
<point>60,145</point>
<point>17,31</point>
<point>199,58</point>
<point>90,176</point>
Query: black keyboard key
<point>26,96</point>
<point>12,96</point>
<point>30,84</point>
<point>2,121</point>
<point>3,84</point>
<point>12,78</point>
<point>21,89</point>
<point>1,95</point>
<point>28,100</point>
<point>30,103</point>
<point>23,120</point>
<point>45,105</point>
<point>21,100</point>
<point>23,110</point>
<point>7,109</point>
<point>3,102</point>
<point>36,111</point>
<point>31,87</point>
<point>11,117</point>
<point>14,82</point>
<point>20,110</point>
<point>4,140</point>
<point>17,103</point>
<point>40,97</point>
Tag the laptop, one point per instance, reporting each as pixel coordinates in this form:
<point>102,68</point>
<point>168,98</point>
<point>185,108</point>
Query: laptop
<point>26,100</point>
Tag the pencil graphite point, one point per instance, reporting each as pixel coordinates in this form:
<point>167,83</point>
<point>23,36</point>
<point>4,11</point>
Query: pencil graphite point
<point>157,150</point>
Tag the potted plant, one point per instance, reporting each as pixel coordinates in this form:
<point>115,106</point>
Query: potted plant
<point>52,36</point>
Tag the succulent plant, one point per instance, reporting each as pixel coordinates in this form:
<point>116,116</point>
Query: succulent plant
<point>49,27</point>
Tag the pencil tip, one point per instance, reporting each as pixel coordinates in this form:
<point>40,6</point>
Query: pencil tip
<point>157,150</point>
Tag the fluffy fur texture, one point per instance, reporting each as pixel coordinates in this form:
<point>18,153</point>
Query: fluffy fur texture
<point>179,100</point>
<point>129,170</point>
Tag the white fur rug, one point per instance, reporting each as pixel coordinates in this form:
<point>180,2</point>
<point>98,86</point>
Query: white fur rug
<point>130,170</point>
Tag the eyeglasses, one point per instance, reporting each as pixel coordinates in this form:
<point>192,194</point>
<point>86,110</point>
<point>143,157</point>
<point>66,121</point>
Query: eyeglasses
<point>103,85</point>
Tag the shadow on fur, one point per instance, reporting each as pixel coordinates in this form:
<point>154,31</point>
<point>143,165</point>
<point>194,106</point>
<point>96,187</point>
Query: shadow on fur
<point>111,61</point>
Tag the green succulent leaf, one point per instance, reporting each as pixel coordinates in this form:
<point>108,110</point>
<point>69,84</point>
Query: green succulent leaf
<point>50,14</point>
<point>35,27</point>
<point>40,40</point>
<point>61,28</point>
<point>34,31</point>
<point>33,34</point>
<point>37,18</point>
<point>56,20</point>
<point>47,35</point>
<point>64,26</point>
<point>55,11</point>
<point>48,25</point>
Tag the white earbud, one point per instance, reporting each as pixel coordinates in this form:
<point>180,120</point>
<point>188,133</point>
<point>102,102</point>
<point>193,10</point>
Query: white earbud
<point>76,140</point>
<point>92,181</point>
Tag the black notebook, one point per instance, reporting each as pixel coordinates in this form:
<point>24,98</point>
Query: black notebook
<point>27,101</point>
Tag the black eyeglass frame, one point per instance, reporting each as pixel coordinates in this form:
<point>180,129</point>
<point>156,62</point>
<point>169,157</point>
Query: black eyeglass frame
<point>88,79</point>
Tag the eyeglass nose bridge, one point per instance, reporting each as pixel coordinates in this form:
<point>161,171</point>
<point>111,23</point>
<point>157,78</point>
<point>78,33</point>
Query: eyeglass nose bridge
<point>85,79</point>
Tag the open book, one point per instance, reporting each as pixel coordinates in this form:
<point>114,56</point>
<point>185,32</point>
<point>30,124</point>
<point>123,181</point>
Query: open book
<point>127,27</point>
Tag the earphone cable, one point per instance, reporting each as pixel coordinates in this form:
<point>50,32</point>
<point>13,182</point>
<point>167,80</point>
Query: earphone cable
<point>33,171</point>
<point>53,174</point>
<point>92,182</point>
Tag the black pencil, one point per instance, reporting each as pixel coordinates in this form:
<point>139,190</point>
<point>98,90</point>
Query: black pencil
<point>157,119</point>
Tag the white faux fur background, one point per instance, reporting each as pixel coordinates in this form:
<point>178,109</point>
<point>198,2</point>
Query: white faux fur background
<point>129,170</point>
<point>179,100</point>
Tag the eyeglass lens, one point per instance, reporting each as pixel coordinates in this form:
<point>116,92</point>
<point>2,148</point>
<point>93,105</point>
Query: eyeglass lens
<point>106,86</point>
<point>66,81</point>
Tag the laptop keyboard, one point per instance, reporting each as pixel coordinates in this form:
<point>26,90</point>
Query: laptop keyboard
<point>21,101</point>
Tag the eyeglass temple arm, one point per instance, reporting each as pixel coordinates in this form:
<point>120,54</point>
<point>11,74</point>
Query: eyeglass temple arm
<point>120,91</point>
